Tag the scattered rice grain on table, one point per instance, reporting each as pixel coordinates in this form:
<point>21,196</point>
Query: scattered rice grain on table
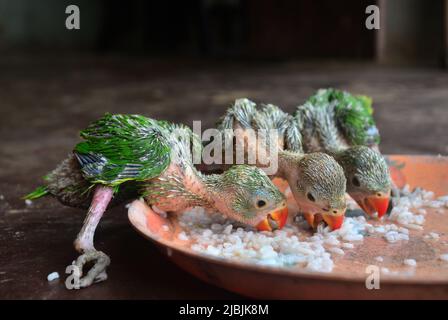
<point>52,276</point>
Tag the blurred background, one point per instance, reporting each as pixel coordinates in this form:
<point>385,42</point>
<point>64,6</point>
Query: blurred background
<point>412,31</point>
<point>189,60</point>
<point>185,61</point>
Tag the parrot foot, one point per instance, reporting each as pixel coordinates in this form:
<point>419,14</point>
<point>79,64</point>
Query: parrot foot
<point>98,272</point>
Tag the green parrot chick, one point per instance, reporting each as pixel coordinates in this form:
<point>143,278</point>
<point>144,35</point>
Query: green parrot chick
<point>127,156</point>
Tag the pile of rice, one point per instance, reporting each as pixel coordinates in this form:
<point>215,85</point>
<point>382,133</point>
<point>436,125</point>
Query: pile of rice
<point>215,235</point>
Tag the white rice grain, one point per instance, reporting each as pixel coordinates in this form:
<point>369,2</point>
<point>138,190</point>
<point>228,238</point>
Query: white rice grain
<point>409,210</point>
<point>444,257</point>
<point>337,251</point>
<point>410,262</point>
<point>279,248</point>
<point>213,234</point>
<point>183,236</point>
<point>332,241</point>
<point>53,276</point>
<point>413,226</point>
<point>394,236</point>
<point>432,236</point>
<point>348,245</point>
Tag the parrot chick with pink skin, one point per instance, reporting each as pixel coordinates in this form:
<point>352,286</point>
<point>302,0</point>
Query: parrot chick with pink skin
<point>342,125</point>
<point>316,180</point>
<point>124,157</point>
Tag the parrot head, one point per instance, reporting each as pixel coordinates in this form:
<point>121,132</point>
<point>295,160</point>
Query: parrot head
<point>245,193</point>
<point>318,186</point>
<point>368,179</point>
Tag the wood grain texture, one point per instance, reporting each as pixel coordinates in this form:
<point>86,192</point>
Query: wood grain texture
<point>44,102</point>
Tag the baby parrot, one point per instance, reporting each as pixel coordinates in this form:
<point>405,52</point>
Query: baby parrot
<point>342,125</point>
<point>316,180</point>
<point>129,156</point>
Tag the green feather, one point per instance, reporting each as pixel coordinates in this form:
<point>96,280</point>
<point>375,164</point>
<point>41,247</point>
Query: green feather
<point>119,148</point>
<point>354,115</point>
<point>39,192</point>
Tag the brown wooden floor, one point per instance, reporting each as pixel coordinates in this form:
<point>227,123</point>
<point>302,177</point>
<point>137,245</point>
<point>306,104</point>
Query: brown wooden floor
<point>45,102</point>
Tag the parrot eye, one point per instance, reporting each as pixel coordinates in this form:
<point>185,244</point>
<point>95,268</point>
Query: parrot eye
<point>261,203</point>
<point>310,197</point>
<point>356,182</point>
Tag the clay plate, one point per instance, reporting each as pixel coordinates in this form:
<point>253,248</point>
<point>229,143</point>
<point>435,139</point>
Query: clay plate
<point>347,280</point>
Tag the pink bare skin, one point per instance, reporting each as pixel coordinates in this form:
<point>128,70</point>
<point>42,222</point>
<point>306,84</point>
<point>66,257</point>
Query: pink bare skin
<point>84,241</point>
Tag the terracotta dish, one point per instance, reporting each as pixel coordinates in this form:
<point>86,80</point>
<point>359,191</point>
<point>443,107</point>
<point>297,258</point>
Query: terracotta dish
<point>347,280</point>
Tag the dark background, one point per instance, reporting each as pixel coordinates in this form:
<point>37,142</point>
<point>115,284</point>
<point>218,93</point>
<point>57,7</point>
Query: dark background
<point>185,61</point>
<point>255,30</point>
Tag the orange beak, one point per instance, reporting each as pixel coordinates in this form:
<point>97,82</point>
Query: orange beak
<point>275,220</point>
<point>334,222</point>
<point>374,204</point>
<point>380,205</point>
<point>313,219</point>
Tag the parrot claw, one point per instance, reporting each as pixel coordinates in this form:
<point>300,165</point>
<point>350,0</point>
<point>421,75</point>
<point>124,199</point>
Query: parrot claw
<point>98,272</point>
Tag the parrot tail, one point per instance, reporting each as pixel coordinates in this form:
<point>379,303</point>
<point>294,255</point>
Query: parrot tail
<point>39,192</point>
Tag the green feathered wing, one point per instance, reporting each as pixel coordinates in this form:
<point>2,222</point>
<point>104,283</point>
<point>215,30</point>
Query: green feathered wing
<point>37,193</point>
<point>354,115</point>
<point>119,148</point>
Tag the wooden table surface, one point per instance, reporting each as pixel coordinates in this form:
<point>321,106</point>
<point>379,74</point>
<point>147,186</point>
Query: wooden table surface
<point>44,102</point>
